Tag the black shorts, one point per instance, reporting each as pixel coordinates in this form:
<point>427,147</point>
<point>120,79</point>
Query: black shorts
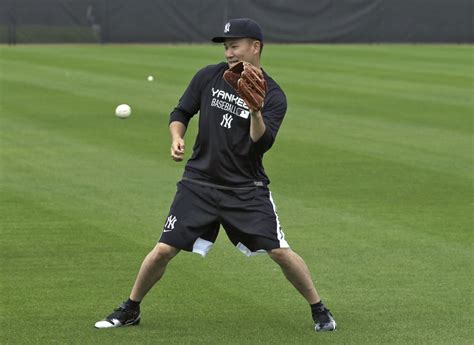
<point>248,216</point>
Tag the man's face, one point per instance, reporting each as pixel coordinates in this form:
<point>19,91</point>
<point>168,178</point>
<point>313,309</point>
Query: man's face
<point>241,49</point>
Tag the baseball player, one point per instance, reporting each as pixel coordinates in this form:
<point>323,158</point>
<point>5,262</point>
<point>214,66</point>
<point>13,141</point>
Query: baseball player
<point>224,183</point>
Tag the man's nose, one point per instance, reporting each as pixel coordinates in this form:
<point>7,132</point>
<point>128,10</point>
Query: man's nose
<point>229,53</point>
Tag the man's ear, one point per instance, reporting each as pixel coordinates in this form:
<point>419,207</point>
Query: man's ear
<point>257,46</point>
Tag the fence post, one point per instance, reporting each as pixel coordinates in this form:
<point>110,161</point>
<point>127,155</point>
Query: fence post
<point>11,23</point>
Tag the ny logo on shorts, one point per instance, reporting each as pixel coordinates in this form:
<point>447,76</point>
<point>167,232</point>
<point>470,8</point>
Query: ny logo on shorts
<point>226,120</point>
<point>170,223</point>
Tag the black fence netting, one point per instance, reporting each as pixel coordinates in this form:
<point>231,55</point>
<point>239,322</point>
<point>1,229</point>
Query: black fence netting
<point>28,21</point>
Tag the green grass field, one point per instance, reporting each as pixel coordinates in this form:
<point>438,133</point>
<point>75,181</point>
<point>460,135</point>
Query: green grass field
<point>372,172</point>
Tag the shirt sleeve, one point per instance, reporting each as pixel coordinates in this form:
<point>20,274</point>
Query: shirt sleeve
<point>181,115</point>
<point>190,102</point>
<point>273,113</point>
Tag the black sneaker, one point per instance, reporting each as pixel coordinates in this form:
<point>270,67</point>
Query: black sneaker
<point>120,317</point>
<point>323,320</point>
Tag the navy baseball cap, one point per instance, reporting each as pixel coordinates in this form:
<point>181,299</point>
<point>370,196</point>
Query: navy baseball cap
<point>240,28</point>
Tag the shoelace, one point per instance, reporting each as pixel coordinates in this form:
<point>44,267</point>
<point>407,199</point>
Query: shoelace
<point>321,314</point>
<point>124,309</point>
<point>322,310</point>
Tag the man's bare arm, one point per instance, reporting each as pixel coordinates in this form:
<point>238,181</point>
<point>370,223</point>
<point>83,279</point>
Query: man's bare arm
<point>177,131</point>
<point>257,126</point>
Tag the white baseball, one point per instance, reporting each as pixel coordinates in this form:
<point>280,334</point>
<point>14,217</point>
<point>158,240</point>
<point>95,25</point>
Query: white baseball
<point>150,78</point>
<point>123,111</point>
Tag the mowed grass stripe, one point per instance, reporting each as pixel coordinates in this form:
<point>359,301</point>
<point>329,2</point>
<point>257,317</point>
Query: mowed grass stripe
<point>400,57</point>
<point>440,151</point>
<point>89,84</point>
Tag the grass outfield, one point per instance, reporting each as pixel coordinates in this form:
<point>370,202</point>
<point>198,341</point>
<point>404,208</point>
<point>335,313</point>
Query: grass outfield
<point>372,172</point>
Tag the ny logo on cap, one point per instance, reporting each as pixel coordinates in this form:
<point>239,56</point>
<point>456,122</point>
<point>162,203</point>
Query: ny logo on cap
<point>227,28</point>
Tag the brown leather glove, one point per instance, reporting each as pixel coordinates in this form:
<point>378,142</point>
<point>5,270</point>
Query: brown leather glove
<point>249,83</point>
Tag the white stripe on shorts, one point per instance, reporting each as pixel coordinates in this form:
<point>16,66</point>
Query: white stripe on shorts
<point>279,231</point>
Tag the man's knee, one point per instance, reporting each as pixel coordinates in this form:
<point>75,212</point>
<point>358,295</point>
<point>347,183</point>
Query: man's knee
<point>281,256</point>
<point>163,252</point>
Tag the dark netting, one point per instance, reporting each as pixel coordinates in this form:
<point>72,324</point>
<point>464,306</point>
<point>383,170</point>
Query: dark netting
<point>24,21</point>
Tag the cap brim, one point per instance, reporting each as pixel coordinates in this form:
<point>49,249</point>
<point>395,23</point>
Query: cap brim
<point>221,39</point>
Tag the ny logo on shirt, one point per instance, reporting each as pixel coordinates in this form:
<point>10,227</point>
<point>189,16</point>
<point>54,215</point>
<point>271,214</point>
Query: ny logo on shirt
<point>226,120</point>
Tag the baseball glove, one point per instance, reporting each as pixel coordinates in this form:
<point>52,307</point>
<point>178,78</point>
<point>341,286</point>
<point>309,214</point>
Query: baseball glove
<point>249,83</point>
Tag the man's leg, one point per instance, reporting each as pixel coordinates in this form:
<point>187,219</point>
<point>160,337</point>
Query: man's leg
<point>151,271</point>
<point>295,270</point>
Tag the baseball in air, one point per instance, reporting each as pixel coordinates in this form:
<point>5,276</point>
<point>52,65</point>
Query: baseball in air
<point>150,78</point>
<point>123,111</point>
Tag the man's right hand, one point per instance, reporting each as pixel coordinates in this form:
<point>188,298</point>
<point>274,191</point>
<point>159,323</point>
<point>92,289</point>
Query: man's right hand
<point>177,149</point>
<point>177,130</point>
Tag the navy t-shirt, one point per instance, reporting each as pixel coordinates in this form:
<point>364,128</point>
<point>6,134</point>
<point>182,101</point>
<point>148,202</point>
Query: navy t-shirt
<point>224,153</point>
